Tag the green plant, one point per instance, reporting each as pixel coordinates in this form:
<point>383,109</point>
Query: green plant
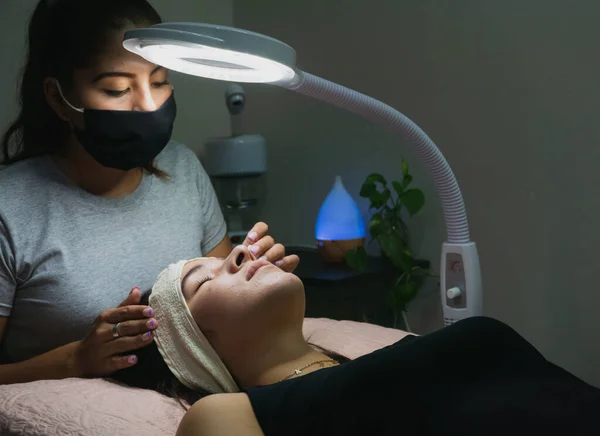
<point>387,227</point>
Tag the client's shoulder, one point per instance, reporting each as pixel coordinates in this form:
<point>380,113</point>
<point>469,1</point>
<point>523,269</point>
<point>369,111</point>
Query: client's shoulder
<point>220,414</point>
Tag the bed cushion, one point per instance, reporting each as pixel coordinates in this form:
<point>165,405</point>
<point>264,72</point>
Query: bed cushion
<point>349,338</point>
<point>90,407</point>
<point>85,407</point>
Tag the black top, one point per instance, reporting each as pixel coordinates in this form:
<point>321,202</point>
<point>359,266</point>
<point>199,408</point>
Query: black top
<point>476,377</point>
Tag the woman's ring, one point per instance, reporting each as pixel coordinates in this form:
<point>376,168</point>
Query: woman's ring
<point>115,330</point>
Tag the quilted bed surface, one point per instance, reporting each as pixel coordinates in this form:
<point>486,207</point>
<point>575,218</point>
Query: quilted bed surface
<point>85,407</point>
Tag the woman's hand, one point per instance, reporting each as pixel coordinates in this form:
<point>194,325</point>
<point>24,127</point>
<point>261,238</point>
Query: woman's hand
<point>263,246</point>
<point>106,349</point>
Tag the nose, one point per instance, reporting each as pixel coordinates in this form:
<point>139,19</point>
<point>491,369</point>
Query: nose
<point>239,257</point>
<point>145,101</point>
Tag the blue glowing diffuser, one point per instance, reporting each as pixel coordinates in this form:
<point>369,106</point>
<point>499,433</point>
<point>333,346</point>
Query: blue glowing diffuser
<point>340,225</point>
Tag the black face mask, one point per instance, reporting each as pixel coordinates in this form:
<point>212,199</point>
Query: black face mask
<point>126,139</point>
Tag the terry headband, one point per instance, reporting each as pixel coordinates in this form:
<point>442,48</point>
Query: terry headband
<point>183,346</point>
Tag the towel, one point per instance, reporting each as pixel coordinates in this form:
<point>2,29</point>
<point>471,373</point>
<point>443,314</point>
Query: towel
<point>183,346</point>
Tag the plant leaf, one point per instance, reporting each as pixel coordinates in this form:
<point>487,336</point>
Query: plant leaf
<point>408,259</point>
<point>419,271</point>
<point>403,229</point>
<point>393,246</point>
<point>357,259</point>
<point>367,189</point>
<point>404,168</point>
<point>386,195</point>
<point>376,178</point>
<point>379,199</point>
<point>398,187</point>
<point>370,190</point>
<point>413,199</point>
<point>400,228</point>
<point>405,292</point>
<point>392,301</point>
<point>390,246</point>
<point>403,260</point>
<point>375,227</point>
<point>406,180</point>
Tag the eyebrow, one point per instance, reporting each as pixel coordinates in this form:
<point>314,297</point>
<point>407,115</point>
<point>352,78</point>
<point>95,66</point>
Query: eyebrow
<point>122,74</point>
<point>189,274</point>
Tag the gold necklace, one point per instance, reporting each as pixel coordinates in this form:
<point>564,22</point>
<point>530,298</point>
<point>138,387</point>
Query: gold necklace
<point>298,371</point>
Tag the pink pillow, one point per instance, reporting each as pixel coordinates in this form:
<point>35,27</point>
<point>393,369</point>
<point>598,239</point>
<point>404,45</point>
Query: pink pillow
<point>87,407</point>
<point>90,407</point>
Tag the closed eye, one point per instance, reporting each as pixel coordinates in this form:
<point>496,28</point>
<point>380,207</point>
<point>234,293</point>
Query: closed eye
<point>161,84</point>
<point>120,93</point>
<point>201,282</point>
<point>116,94</point>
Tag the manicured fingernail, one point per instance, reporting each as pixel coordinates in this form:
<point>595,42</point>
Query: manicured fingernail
<point>254,249</point>
<point>134,288</point>
<point>262,258</point>
<point>151,324</point>
<point>147,311</point>
<point>147,336</point>
<point>132,359</point>
<point>252,236</point>
<point>279,263</point>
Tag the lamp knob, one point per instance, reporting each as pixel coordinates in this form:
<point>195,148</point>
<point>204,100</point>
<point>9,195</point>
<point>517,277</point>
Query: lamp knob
<point>453,292</point>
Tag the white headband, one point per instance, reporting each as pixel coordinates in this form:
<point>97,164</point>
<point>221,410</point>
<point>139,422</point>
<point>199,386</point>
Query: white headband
<point>183,346</point>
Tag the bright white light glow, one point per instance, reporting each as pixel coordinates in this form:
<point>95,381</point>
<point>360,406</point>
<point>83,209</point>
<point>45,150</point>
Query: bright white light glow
<point>214,63</point>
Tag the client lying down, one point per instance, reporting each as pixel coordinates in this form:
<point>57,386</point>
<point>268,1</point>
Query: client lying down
<point>233,328</point>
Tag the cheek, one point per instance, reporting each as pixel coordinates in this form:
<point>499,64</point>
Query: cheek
<point>93,98</point>
<point>212,304</point>
<point>161,94</point>
<point>85,95</point>
<point>225,304</point>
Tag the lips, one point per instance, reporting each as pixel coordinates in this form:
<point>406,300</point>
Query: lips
<point>254,267</point>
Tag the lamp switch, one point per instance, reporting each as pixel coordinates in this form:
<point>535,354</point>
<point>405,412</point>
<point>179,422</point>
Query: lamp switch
<point>453,292</point>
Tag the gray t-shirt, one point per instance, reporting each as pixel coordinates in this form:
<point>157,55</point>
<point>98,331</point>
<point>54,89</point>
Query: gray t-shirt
<point>67,255</point>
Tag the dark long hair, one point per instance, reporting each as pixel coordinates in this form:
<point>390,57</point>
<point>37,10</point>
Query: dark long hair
<point>64,35</point>
<point>151,371</point>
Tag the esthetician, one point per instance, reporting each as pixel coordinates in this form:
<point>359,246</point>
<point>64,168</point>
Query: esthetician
<point>95,198</point>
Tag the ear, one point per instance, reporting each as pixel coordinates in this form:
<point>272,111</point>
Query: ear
<point>54,99</point>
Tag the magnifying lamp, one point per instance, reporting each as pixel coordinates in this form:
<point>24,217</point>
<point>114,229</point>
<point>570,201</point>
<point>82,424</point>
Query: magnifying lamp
<point>230,54</point>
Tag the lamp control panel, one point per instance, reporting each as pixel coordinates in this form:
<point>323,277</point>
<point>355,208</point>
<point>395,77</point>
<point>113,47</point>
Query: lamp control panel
<point>456,292</point>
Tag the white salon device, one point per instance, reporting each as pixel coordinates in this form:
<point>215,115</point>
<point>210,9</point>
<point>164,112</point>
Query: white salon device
<point>235,164</point>
<point>230,54</point>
